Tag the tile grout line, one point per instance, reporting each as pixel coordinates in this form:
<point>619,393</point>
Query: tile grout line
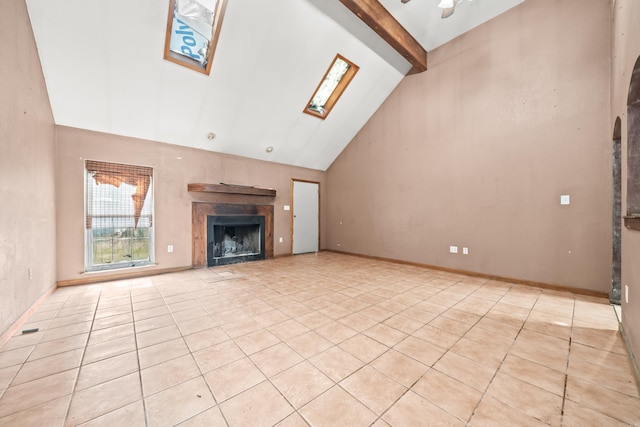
<point>84,351</point>
<point>429,367</point>
<point>458,340</point>
<point>484,393</point>
<point>305,359</point>
<point>380,418</point>
<point>135,339</point>
<point>566,372</point>
<point>217,404</point>
<point>267,378</point>
<point>440,290</point>
<point>243,301</point>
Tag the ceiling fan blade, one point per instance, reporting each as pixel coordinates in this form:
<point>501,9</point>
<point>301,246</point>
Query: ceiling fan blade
<point>448,11</point>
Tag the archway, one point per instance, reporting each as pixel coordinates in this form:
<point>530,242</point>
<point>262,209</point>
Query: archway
<point>616,264</point>
<point>632,219</point>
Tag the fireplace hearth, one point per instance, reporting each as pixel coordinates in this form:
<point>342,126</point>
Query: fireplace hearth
<point>235,239</point>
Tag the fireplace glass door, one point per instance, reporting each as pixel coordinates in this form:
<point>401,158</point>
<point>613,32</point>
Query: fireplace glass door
<point>234,239</point>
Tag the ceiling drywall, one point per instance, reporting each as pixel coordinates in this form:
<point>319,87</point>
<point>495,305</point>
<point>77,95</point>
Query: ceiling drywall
<point>104,69</point>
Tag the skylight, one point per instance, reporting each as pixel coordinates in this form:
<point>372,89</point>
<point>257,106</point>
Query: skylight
<point>331,87</point>
<point>193,28</point>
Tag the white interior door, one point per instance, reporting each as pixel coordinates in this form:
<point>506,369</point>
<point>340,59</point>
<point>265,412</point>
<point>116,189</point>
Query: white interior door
<point>306,216</point>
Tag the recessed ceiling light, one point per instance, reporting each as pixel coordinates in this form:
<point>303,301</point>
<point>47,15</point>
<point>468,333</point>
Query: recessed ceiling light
<point>211,135</point>
<point>268,149</point>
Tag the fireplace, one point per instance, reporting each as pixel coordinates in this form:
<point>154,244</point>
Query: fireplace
<point>238,222</point>
<point>235,239</point>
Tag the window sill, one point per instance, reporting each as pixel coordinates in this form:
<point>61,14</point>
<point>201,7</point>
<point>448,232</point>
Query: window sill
<point>121,274</point>
<point>119,269</point>
<point>632,222</point>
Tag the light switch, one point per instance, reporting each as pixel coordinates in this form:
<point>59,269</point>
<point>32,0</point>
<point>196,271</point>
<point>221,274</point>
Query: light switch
<point>453,249</point>
<point>565,199</point>
<point>287,207</point>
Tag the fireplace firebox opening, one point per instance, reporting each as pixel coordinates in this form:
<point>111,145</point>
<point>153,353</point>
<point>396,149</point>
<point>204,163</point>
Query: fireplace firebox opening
<point>235,239</point>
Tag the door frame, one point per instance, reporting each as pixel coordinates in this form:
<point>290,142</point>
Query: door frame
<point>292,205</point>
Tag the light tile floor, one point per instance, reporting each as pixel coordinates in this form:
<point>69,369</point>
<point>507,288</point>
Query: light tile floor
<point>320,340</point>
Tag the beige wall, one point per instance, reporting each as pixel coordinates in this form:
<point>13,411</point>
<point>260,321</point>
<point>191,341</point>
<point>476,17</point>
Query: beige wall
<point>27,214</point>
<point>477,150</point>
<point>626,49</point>
<point>172,202</point>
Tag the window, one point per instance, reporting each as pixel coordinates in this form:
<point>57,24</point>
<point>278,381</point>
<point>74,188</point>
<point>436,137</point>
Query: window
<point>193,29</point>
<point>119,215</point>
<point>331,87</point>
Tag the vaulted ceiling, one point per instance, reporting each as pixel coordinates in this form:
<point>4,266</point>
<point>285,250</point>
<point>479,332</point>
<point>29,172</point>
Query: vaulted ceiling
<point>104,69</point>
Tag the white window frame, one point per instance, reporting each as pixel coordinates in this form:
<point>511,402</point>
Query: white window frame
<point>89,266</point>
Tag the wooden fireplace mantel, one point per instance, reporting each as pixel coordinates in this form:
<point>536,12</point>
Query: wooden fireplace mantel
<point>200,211</point>
<point>231,189</point>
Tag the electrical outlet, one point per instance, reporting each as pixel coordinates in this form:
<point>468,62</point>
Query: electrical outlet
<point>465,251</point>
<point>281,240</point>
<point>170,248</point>
<point>626,294</point>
<point>565,200</point>
<point>287,207</point>
<point>453,249</point>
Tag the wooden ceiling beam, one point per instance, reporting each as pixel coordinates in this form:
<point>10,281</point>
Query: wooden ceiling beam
<point>372,13</point>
